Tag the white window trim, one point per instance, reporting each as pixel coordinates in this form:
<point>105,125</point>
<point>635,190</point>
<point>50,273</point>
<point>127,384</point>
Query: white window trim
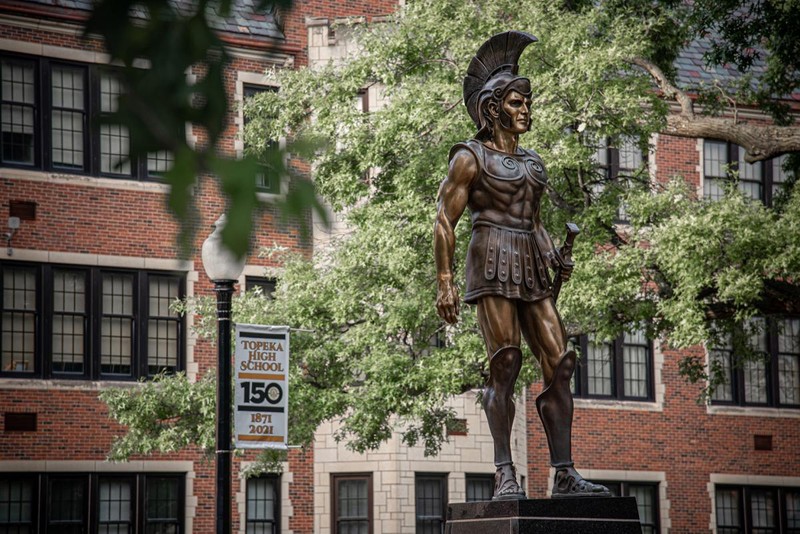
<point>742,480</point>
<point>138,466</point>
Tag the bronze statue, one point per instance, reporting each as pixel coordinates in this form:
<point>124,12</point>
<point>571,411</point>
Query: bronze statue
<point>508,260</point>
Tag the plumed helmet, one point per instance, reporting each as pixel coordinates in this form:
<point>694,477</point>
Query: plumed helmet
<point>493,69</point>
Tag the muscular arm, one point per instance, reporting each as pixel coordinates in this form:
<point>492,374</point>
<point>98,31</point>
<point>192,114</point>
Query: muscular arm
<point>453,196</point>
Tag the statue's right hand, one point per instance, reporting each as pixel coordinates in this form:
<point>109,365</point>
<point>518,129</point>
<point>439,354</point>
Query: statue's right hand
<point>447,303</point>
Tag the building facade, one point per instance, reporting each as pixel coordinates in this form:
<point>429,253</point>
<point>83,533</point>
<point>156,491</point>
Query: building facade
<point>88,276</point>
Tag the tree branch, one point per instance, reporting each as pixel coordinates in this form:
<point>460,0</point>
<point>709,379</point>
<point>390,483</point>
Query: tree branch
<point>760,141</point>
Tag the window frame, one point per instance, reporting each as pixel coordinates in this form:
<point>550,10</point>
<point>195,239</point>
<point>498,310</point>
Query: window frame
<point>581,376</point>
<point>41,496</point>
<point>737,386</point>
<point>608,149</point>
<point>248,91</point>
<point>480,478</point>
<point>43,110</point>
<point>276,523</point>
<point>441,479</point>
<point>92,343</point>
<point>264,282</point>
<point>744,500</point>
<point>766,168</point>
<point>335,479</point>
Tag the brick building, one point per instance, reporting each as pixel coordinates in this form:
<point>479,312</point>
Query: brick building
<point>94,263</point>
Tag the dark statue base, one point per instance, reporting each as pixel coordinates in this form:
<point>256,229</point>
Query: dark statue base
<point>589,515</point>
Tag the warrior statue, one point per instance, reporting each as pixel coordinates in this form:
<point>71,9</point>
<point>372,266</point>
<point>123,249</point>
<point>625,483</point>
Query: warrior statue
<point>507,261</point>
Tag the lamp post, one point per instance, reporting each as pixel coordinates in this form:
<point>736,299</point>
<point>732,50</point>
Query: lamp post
<point>223,268</point>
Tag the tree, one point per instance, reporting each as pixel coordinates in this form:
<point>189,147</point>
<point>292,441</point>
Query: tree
<point>364,353</point>
<point>173,37</point>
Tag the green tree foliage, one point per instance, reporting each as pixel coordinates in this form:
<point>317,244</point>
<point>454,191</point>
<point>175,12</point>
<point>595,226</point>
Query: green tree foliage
<point>365,307</point>
<point>170,38</point>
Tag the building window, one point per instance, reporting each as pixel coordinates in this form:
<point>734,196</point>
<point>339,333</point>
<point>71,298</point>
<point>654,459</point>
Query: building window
<point>479,487</point>
<point>263,505</point>
<point>431,502</point>
<point>619,162</point>
<point>621,369</point>
<point>265,285</point>
<point>352,504</point>
<point>770,374</point>
<point>89,322</point>
<point>760,181</point>
<point>646,500</point>
<point>267,182</point>
<point>750,509</point>
<point>51,120</point>
<point>17,505</point>
<point>131,504</point>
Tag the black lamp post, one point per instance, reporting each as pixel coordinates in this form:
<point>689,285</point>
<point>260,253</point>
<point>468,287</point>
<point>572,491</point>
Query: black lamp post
<point>223,268</point>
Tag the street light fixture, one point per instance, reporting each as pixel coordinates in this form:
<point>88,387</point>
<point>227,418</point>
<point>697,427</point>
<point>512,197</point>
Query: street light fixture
<point>223,268</point>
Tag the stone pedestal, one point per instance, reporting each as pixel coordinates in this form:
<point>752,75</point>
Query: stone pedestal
<point>591,515</point>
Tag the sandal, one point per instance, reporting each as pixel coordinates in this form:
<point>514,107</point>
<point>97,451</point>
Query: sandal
<point>569,483</point>
<point>505,483</point>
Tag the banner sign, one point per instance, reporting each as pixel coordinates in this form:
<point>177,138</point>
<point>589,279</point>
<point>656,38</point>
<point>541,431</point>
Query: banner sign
<point>261,376</point>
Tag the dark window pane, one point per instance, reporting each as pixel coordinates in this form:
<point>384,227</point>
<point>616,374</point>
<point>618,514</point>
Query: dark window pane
<point>18,94</point>
<point>161,509</point>
<point>114,138</point>
<point>728,512</point>
<point>480,487</point>
<point>715,161</point>
<point>69,321</point>
<point>635,362</point>
<point>352,507</point>
<point>257,283</point>
<point>68,116</point>
<point>16,506</point>
<point>789,361</point>
<point>163,328</point>
<point>18,319</point>
<point>599,367</point>
<point>262,505</point>
<point>67,505</point>
<point>115,507</point>
<point>762,510</point>
<point>116,339</point>
<point>430,502</point>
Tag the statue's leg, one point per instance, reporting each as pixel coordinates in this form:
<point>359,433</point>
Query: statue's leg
<point>543,330</point>
<point>500,327</point>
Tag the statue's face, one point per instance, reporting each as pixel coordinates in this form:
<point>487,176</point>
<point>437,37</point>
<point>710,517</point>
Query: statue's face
<point>515,112</point>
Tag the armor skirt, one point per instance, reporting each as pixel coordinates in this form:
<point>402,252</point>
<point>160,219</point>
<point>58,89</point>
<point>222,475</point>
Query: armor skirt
<point>505,262</point>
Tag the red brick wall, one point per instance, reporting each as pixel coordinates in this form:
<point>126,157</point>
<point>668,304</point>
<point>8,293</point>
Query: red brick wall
<point>87,219</point>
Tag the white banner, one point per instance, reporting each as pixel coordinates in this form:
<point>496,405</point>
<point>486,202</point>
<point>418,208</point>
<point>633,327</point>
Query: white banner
<point>262,386</point>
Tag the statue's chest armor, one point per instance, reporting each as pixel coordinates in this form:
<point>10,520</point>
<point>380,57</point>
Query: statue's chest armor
<point>508,179</point>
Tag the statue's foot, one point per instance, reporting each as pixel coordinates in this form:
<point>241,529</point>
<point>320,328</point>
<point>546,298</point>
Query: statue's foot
<point>505,484</point>
<point>569,483</point>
